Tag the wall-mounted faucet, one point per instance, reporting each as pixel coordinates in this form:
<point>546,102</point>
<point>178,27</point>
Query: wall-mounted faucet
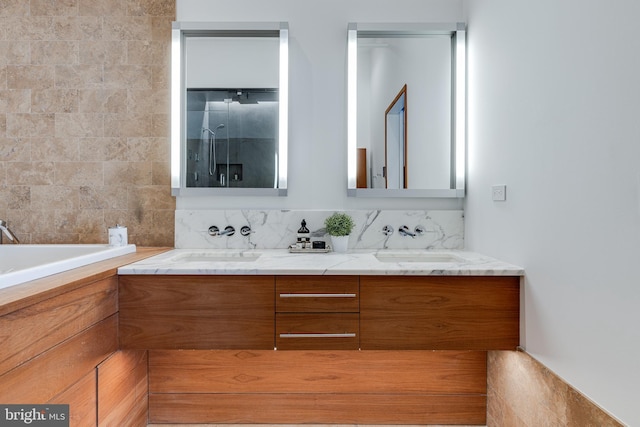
<point>418,231</point>
<point>5,230</point>
<point>215,231</point>
<point>404,231</point>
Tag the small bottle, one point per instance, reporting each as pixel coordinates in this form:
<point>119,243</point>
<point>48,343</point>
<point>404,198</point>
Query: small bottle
<point>304,236</point>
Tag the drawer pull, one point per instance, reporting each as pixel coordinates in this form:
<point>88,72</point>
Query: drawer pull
<point>317,295</point>
<point>343,335</point>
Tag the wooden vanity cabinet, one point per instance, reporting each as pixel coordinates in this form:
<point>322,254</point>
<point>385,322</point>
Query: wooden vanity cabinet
<point>196,312</point>
<point>439,312</point>
<point>317,312</point>
<point>232,375</point>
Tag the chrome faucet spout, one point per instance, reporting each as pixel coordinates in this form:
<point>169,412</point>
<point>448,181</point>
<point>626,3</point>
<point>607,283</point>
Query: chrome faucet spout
<point>228,231</point>
<point>6,231</point>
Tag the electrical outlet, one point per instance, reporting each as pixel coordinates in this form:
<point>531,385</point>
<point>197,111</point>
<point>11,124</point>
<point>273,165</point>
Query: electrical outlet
<point>499,193</point>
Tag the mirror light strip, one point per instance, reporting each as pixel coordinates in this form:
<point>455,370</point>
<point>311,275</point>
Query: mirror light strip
<point>176,107</point>
<point>352,104</point>
<point>461,106</point>
<point>283,132</point>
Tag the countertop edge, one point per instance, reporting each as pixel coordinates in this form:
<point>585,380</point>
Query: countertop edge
<point>279,262</point>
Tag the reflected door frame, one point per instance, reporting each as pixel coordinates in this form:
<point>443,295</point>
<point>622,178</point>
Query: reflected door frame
<point>395,141</point>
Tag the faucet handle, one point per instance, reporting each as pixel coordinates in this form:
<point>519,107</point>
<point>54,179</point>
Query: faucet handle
<point>387,230</point>
<point>404,231</point>
<point>214,231</point>
<point>246,230</point>
<point>5,229</point>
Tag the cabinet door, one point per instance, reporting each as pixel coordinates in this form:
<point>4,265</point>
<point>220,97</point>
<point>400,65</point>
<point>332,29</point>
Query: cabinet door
<point>197,312</point>
<point>439,313</point>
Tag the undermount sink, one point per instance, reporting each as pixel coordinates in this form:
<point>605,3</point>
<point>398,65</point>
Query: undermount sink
<point>206,257</point>
<point>422,257</point>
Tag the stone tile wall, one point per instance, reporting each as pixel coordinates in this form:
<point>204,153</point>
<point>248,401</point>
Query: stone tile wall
<point>84,119</point>
<point>523,392</point>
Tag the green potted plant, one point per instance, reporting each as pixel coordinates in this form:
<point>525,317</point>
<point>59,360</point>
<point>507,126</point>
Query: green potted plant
<point>339,226</point>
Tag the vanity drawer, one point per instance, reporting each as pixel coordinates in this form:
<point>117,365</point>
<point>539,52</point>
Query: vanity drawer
<point>317,294</point>
<point>333,331</point>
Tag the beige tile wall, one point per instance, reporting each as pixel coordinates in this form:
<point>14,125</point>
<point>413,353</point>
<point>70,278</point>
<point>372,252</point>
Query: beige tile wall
<point>84,131</point>
<point>523,392</point>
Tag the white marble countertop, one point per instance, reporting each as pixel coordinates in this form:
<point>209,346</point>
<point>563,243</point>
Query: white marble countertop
<point>356,262</point>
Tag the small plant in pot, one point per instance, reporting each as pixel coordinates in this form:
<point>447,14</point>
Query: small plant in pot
<point>339,226</point>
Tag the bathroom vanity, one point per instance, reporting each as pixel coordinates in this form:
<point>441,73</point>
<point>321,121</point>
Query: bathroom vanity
<point>322,338</point>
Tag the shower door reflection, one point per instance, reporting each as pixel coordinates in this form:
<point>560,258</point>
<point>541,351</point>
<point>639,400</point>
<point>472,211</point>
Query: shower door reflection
<point>232,138</point>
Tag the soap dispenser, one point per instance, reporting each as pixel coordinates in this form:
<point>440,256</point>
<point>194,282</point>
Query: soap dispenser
<point>304,236</point>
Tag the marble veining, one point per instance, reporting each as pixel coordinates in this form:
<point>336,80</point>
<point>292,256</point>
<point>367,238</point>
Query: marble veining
<point>354,262</point>
<point>276,229</point>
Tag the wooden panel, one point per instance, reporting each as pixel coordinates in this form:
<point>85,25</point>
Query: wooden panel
<point>197,312</point>
<point>16,297</point>
<point>304,287</point>
<point>81,398</point>
<point>55,370</point>
<point>123,389</point>
<point>220,371</point>
<point>475,313</point>
<point>30,331</point>
<point>319,325</point>
<point>318,408</point>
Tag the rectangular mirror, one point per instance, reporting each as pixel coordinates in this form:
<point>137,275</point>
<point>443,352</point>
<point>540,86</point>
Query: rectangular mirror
<point>229,126</point>
<point>406,107</point>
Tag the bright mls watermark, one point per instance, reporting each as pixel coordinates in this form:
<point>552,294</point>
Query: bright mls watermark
<point>34,415</point>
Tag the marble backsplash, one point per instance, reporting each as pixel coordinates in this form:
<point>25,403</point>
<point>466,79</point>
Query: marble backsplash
<point>276,229</point>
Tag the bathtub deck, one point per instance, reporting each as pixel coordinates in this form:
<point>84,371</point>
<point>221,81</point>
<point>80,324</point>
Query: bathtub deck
<point>19,296</point>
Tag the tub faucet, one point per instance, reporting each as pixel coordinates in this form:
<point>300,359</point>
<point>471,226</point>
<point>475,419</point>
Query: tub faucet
<point>5,230</point>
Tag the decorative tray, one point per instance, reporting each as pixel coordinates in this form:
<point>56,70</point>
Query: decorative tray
<point>295,250</point>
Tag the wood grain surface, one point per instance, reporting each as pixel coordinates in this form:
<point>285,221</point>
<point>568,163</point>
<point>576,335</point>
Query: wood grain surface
<point>317,323</point>
<point>43,377</point>
<point>439,313</point>
<point>314,408</point>
<point>29,331</point>
<point>197,312</point>
<point>321,285</point>
<point>401,387</point>
<point>123,389</point>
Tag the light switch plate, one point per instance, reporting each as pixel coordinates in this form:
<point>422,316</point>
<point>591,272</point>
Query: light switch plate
<point>499,193</point>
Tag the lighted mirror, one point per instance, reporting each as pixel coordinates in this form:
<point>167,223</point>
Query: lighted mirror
<point>229,92</point>
<point>406,126</point>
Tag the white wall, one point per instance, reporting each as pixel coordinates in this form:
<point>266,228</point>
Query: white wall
<point>317,101</point>
<point>554,113</point>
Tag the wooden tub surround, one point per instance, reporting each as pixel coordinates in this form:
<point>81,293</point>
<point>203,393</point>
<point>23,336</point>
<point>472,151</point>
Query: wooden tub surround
<point>350,349</point>
<point>59,344</point>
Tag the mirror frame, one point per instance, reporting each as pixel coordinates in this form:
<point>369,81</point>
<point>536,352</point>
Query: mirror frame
<point>179,33</point>
<point>457,32</point>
